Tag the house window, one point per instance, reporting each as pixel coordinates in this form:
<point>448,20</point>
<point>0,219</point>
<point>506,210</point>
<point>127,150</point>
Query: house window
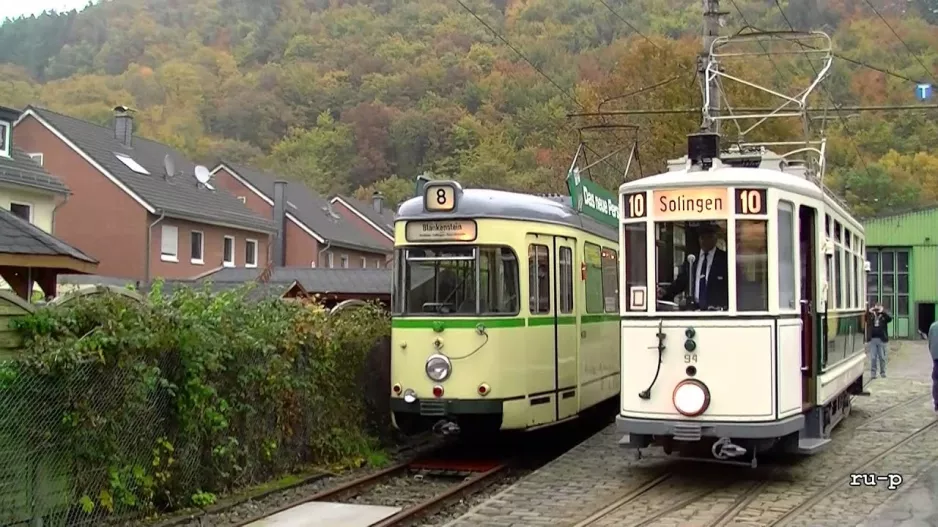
<point>197,243</point>
<point>331,260</point>
<point>37,158</point>
<point>228,252</point>
<point>169,244</point>
<point>377,263</point>
<point>344,261</point>
<point>23,210</point>
<point>5,139</point>
<point>243,199</point>
<point>132,164</point>
<point>250,253</point>
<point>364,263</point>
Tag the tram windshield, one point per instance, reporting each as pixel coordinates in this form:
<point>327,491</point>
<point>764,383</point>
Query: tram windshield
<point>461,280</point>
<point>692,262</point>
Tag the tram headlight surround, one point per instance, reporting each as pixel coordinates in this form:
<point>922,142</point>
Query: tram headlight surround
<point>438,368</point>
<point>691,397</point>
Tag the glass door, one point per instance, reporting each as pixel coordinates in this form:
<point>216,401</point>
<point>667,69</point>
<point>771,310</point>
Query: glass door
<point>888,282</point>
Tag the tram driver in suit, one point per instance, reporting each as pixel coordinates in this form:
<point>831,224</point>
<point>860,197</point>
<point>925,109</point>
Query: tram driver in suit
<point>709,275</point>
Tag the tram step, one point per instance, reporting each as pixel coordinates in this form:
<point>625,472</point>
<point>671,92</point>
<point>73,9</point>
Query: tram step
<point>811,445</point>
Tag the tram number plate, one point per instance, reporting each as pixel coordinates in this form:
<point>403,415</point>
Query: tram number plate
<point>439,197</point>
<point>750,201</point>
<point>635,205</point>
<point>690,357</point>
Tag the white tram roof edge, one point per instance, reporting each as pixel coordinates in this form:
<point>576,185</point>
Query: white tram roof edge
<point>735,176</point>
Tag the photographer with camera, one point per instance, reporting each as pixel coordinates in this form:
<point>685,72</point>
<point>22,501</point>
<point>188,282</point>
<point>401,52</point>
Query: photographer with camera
<point>877,320</point>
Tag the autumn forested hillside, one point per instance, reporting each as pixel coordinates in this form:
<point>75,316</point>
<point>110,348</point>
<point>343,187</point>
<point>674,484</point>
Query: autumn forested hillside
<point>350,95</point>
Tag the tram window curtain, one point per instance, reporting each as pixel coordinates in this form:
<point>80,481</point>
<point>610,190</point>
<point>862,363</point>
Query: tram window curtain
<point>752,265</point>
<point>786,256</point>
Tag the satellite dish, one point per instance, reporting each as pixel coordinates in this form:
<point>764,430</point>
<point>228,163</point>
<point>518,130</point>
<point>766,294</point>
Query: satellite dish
<point>202,174</point>
<point>169,166</point>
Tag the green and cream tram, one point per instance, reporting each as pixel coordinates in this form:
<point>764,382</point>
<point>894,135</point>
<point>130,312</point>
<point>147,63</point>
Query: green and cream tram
<point>505,311</point>
<point>742,307</point>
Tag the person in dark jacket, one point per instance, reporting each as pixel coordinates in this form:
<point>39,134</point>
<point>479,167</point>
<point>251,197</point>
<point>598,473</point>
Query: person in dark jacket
<point>877,320</point>
<point>708,274</point>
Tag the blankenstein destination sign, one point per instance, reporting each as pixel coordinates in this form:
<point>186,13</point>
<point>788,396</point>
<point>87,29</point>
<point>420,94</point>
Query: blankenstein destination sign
<point>690,204</point>
<point>441,231</point>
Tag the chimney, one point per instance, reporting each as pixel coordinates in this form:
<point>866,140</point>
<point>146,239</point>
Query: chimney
<point>280,219</point>
<point>123,125</point>
<point>377,201</point>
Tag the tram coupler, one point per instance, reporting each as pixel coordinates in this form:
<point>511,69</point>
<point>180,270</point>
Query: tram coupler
<point>446,428</point>
<point>724,449</point>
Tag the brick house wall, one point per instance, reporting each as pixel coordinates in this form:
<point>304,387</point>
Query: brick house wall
<point>98,218</point>
<point>302,249</point>
<point>107,224</point>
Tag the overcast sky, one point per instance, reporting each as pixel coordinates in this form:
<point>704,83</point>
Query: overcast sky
<point>15,8</point>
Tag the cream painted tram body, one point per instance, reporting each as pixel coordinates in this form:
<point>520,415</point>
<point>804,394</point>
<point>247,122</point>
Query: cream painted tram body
<point>775,368</point>
<point>505,312</point>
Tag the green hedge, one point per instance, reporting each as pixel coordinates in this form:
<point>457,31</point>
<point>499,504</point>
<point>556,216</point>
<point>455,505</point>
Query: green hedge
<point>142,407</point>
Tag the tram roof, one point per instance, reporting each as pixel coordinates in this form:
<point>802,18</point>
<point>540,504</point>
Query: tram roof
<point>499,204</point>
<point>734,176</point>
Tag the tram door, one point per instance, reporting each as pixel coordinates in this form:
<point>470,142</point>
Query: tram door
<point>807,237</point>
<point>566,327</point>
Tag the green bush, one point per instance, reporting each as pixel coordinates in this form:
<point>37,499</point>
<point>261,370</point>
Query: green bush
<point>159,405</point>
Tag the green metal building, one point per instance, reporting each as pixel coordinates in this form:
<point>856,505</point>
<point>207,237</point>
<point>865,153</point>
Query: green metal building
<point>902,249</point>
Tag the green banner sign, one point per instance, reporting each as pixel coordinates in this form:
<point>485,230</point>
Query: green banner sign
<point>593,200</point>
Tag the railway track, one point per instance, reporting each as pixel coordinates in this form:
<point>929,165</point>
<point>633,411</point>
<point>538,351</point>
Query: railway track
<point>670,491</point>
<point>424,486</point>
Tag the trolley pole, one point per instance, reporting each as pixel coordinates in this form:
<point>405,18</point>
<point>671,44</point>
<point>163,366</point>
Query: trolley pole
<point>711,30</point>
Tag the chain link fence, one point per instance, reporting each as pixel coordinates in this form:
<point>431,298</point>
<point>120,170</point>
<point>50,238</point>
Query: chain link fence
<point>99,444</point>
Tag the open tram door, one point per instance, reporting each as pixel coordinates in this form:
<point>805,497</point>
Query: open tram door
<point>807,238</point>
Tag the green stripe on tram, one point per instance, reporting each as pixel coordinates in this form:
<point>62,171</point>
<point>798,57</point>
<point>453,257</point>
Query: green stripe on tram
<point>471,323</point>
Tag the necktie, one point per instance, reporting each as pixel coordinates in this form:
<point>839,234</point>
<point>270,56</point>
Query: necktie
<point>702,282</point>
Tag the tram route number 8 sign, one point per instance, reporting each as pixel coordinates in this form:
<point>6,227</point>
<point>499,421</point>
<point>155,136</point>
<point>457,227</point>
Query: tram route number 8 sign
<point>439,198</point>
<point>750,201</point>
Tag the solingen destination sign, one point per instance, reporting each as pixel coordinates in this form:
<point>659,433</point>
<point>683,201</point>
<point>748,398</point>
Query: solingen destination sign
<point>441,231</point>
<point>593,200</point>
<point>690,204</point>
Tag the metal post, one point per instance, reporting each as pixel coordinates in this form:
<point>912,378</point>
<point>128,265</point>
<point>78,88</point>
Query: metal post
<point>711,30</point>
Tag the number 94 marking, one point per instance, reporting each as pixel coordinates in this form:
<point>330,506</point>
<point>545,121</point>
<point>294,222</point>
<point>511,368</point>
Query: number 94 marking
<point>690,357</point>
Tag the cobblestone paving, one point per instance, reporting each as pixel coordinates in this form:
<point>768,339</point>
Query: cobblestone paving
<point>812,491</point>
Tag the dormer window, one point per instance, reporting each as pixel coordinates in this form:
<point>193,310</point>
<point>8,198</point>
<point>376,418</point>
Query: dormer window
<point>5,139</point>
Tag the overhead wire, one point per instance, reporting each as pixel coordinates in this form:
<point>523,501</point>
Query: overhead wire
<point>541,72</point>
<point>830,97</point>
<point>928,72</point>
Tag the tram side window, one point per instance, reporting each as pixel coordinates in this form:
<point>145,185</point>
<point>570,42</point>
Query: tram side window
<point>838,275</point>
<point>566,279</point>
<point>752,265</point>
<point>786,256</point>
<point>594,278</point>
<point>636,264</point>
<point>539,279</point>
<point>498,276</point>
<point>610,280</point>
<point>397,299</point>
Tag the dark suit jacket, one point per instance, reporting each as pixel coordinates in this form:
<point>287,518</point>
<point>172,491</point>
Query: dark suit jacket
<point>717,281</point>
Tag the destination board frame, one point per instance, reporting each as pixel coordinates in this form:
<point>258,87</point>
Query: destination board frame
<point>691,204</point>
<point>412,238</point>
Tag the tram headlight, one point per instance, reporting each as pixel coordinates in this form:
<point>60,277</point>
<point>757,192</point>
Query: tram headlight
<point>438,368</point>
<point>691,397</point>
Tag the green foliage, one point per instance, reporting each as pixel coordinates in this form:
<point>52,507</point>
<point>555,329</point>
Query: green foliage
<point>166,403</point>
<point>355,96</point>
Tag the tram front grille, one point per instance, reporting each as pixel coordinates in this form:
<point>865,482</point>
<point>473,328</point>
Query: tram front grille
<point>432,408</point>
<point>687,432</point>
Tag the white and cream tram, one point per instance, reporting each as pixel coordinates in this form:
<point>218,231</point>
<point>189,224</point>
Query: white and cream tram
<point>742,304</point>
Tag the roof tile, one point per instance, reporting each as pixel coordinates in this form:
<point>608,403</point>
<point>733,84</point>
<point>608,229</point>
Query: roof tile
<point>18,236</point>
<point>178,197</point>
<point>22,171</point>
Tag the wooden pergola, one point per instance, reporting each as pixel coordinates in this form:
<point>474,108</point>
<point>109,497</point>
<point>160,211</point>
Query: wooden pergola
<point>29,255</point>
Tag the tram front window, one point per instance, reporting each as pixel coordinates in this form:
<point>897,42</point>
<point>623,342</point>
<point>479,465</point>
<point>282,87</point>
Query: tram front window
<point>692,266</point>
<point>460,280</point>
